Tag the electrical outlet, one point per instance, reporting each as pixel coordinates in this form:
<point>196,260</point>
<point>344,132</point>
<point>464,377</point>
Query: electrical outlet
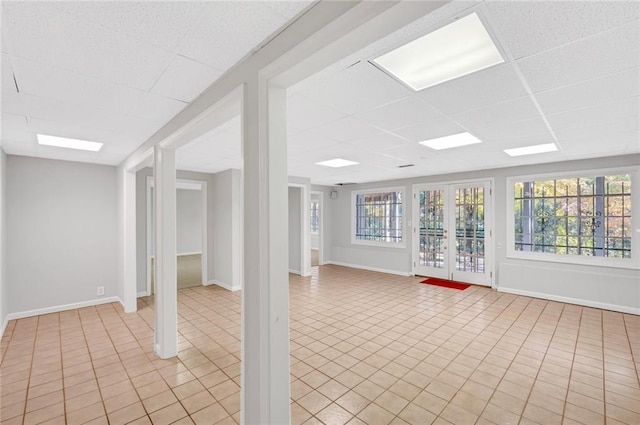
<point>100,290</point>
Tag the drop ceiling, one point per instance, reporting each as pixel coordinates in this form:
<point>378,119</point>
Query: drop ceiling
<point>571,76</point>
<point>116,71</point>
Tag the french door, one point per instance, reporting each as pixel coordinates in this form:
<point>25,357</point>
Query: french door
<point>452,239</point>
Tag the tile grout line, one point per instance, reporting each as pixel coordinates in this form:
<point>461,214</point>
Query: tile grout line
<point>542,362</point>
<point>33,348</point>
<point>573,361</point>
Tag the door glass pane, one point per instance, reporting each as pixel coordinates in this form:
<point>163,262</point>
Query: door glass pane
<point>432,233</point>
<point>469,211</point>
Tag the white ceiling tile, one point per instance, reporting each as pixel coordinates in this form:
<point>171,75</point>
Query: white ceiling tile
<point>606,53</point>
<point>289,9</point>
<point>378,142</point>
<point>66,154</point>
<point>14,130</point>
<point>137,130</point>
<point>505,130</point>
<point>605,134</point>
<point>617,144</point>
<point>517,140</point>
<point>39,31</point>
<point>483,88</point>
<point>590,93</point>
<point>59,84</point>
<point>304,114</point>
<point>227,31</point>
<point>12,102</point>
<point>358,88</point>
<point>401,113</point>
<point>72,114</point>
<point>410,153</point>
<point>156,109</point>
<point>600,114</point>
<point>531,27</point>
<point>346,129</point>
<point>161,24</point>
<point>429,130</point>
<point>308,141</point>
<point>506,112</point>
<point>185,79</point>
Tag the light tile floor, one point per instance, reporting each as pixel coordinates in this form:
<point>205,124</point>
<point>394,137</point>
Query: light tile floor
<point>365,348</point>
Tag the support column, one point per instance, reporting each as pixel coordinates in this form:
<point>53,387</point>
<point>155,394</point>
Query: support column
<point>265,295</point>
<point>128,232</point>
<point>166,296</point>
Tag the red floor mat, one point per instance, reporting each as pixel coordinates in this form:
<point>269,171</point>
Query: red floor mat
<point>446,283</point>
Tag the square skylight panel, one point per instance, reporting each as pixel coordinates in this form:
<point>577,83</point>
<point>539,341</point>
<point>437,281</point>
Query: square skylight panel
<point>453,141</point>
<point>337,163</point>
<point>63,142</point>
<point>532,150</point>
<point>455,50</point>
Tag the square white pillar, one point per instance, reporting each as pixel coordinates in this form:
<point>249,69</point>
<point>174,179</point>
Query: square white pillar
<point>165,278</point>
<point>265,295</point>
<point>127,185</point>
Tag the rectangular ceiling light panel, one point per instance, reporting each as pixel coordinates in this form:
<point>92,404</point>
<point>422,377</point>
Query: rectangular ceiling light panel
<point>532,150</point>
<point>455,50</point>
<point>337,163</point>
<point>453,141</point>
<point>63,142</point>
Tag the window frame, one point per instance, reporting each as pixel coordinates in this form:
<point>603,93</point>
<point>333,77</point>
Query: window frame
<point>403,243</point>
<point>317,210</point>
<point>621,263</point>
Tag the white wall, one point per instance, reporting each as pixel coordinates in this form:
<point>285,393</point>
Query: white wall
<point>61,234</point>
<point>613,288</point>
<point>4,300</point>
<point>295,223</point>
<point>188,221</point>
<point>226,236</point>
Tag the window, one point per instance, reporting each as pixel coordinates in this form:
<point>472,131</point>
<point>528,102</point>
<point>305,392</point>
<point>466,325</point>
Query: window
<point>315,205</point>
<point>378,217</point>
<point>574,216</point>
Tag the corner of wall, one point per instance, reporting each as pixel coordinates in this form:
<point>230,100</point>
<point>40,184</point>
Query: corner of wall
<point>4,303</point>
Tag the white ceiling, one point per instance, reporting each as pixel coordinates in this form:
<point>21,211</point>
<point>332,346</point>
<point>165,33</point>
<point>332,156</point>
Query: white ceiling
<point>571,76</point>
<point>116,71</point>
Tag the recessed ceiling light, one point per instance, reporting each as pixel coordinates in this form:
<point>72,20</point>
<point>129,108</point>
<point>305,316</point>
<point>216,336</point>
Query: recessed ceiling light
<point>63,142</point>
<point>337,162</point>
<point>453,141</point>
<point>452,51</point>
<point>531,150</point>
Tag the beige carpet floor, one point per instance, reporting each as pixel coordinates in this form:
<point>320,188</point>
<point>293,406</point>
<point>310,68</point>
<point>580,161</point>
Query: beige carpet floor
<point>189,271</point>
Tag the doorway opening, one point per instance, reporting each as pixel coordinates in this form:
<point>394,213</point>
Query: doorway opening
<point>191,234</point>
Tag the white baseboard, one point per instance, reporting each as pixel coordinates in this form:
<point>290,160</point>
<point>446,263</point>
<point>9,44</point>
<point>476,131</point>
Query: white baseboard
<point>4,326</point>
<point>64,307</point>
<point>223,285</point>
<point>295,272</point>
<point>143,294</point>
<point>568,300</point>
<point>371,269</point>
